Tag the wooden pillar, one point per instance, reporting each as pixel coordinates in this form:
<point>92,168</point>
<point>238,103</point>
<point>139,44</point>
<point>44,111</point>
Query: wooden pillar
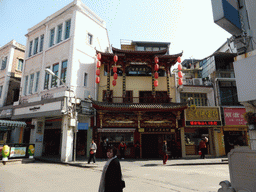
<point>168,83</point>
<point>124,82</point>
<point>101,115</point>
<point>21,135</point>
<point>153,79</point>
<point>108,82</point>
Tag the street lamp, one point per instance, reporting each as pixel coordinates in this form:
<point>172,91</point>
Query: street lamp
<point>72,112</point>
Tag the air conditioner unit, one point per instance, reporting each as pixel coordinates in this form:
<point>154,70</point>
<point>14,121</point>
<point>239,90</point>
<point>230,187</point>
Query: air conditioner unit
<point>197,81</point>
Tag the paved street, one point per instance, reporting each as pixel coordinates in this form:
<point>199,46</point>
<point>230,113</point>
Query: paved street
<point>143,176</point>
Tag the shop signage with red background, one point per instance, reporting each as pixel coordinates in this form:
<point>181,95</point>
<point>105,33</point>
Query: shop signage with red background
<point>234,116</point>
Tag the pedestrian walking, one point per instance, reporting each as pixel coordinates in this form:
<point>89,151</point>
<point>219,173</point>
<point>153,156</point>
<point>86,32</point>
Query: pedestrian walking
<point>137,149</point>
<point>111,177</point>
<point>104,148</point>
<point>165,155</point>
<point>93,149</point>
<point>122,147</point>
<point>202,148</point>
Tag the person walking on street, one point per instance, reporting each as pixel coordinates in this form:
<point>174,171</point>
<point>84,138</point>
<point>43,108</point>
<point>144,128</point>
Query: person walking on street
<point>202,148</point>
<point>104,148</point>
<point>111,177</point>
<point>165,156</point>
<point>122,147</point>
<point>93,149</point>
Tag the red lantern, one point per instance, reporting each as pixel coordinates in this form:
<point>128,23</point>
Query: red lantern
<point>180,82</point>
<point>156,67</point>
<point>115,58</point>
<point>98,72</point>
<point>99,56</point>
<point>114,69</point>
<point>98,64</point>
<point>114,82</point>
<point>179,67</point>
<point>115,75</point>
<point>179,60</point>
<point>155,83</point>
<point>97,79</point>
<point>156,59</point>
<point>180,74</point>
<point>156,75</point>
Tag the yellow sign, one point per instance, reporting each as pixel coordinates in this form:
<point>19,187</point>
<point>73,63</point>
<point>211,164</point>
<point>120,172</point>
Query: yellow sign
<point>202,114</point>
<point>141,130</point>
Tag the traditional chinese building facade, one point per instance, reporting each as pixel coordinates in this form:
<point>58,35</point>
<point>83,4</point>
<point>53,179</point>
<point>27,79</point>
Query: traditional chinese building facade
<point>134,108</point>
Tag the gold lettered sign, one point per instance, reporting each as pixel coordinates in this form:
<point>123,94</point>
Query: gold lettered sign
<point>194,113</point>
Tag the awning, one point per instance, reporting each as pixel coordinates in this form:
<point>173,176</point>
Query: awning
<point>7,123</point>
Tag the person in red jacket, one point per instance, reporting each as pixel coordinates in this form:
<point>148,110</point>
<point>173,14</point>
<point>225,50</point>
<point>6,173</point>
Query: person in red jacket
<point>122,147</point>
<point>203,147</point>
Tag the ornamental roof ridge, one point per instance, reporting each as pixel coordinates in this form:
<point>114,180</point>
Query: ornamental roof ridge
<point>161,52</point>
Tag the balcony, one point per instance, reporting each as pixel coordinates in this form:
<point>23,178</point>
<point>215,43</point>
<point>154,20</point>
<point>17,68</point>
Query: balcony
<point>149,99</point>
<point>225,73</point>
<point>197,82</point>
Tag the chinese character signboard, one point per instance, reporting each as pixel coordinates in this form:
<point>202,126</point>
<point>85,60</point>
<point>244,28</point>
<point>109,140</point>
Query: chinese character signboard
<point>234,116</point>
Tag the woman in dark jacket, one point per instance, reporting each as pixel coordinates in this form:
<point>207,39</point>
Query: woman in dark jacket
<point>111,178</point>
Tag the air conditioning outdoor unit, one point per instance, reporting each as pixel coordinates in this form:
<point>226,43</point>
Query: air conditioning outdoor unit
<point>197,81</point>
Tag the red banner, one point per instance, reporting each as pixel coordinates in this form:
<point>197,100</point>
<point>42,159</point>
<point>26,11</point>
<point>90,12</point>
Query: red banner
<point>234,116</point>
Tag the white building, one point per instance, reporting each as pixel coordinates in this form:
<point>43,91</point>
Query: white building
<point>65,43</point>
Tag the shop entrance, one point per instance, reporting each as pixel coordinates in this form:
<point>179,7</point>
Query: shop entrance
<point>52,142</point>
<point>234,138</point>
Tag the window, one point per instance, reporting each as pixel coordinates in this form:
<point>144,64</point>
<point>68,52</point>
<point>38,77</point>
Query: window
<point>105,95</point>
<point>55,70</point>
<point>128,97</point>
<point>148,48</point>
<point>52,33</point>
<point>30,48</point>
<point>31,83</point>
<point>85,79</point>
<point>89,38</point>
<point>199,99</point>
<point>46,79</point>
<point>4,61</point>
<point>20,64</point>
<point>37,80</point>
<point>36,46</point>
<point>25,85</point>
<point>41,43</point>
<point>155,48</point>
<point>1,90</point>
<point>139,48</point>
<point>59,33</point>
<point>228,93</point>
<point>63,74</point>
<point>67,29</point>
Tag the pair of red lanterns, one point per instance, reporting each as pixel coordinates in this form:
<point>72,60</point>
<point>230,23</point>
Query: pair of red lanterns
<point>98,69</point>
<point>180,75</point>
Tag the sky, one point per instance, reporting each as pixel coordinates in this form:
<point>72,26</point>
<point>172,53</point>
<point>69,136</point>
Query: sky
<point>187,24</point>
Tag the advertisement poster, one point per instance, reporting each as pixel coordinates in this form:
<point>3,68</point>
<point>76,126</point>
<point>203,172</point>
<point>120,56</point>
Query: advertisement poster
<point>18,151</point>
<point>234,116</point>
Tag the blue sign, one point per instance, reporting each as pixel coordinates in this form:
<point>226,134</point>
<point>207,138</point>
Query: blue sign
<point>82,126</point>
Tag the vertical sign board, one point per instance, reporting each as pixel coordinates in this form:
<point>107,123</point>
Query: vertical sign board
<point>82,126</point>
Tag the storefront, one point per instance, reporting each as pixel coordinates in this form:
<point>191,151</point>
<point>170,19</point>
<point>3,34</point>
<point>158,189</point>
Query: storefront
<point>235,129</point>
<point>202,122</point>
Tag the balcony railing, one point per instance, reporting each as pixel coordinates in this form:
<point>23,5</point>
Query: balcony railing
<point>225,73</point>
<point>197,81</point>
<point>149,99</point>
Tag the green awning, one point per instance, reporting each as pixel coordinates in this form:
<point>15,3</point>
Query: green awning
<point>6,123</point>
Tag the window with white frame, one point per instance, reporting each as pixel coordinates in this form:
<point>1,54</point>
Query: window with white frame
<point>198,99</point>
<point>63,74</point>
<point>30,48</point>
<point>25,85</point>
<point>46,79</point>
<point>55,70</point>
<point>41,43</point>
<point>4,61</point>
<point>20,64</point>
<point>1,90</point>
<point>90,38</point>
<point>59,33</point>
<point>36,46</point>
<point>85,79</point>
<point>52,34</point>
<point>67,28</point>
<point>31,83</point>
<point>37,81</point>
